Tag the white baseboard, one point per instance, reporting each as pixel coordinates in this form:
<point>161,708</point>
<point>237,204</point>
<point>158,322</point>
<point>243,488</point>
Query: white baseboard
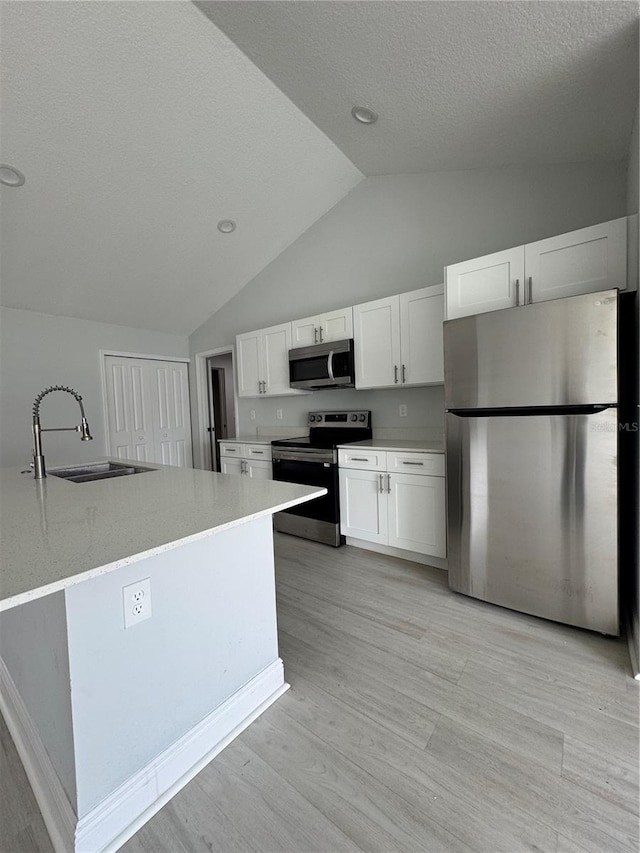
<point>113,821</point>
<point>57,812</point>
<point>390,551</point>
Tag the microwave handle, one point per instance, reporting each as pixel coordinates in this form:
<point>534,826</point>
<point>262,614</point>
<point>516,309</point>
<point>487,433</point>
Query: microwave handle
<point>330,366</point>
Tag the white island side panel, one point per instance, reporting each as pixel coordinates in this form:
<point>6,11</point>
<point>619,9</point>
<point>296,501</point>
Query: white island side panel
<point>136,691</point>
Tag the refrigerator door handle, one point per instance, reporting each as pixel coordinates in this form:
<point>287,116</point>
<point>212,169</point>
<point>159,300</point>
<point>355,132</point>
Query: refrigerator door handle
<point>517,292</point>
<point>530,290</point>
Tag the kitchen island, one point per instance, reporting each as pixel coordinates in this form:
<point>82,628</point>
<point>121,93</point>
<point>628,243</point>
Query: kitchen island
<point>111,722</point>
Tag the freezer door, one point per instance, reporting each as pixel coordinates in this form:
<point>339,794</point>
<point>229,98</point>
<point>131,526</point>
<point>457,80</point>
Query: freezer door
<point>532,514</point>
<point>557,353</point>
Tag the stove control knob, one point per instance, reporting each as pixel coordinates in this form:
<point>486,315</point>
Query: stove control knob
<point>363,417</point>
<point>318,418</point>
<point>354,417</point>
<point>312,418</point>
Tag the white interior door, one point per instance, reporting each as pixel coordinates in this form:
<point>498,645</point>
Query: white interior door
<point>148,410</point>
<point>172,426</point>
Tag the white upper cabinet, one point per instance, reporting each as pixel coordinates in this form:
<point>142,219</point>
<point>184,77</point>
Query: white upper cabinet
<point>332,326</point>
<point>249,355</point>
<point>582,261</point>
<point>421,352</point>
<point>263,362</point>
<point>377,343</point>
<point>398,340</point>
<point>485,284</point>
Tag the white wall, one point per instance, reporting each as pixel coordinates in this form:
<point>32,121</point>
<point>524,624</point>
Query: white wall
<point>33,646</point>
<point>396,233</point>
<point>37,350</point>
<point>136,691</point>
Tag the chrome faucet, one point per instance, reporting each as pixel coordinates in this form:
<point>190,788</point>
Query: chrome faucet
<point>39,470</point>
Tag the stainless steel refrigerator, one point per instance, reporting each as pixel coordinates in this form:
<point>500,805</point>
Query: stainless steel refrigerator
<point>531,395</point>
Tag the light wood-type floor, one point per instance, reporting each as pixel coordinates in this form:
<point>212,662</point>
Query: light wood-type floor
<point>417,720</point>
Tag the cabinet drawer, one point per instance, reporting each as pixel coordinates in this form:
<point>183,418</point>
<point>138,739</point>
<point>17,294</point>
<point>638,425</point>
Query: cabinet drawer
<point>363,458</point>
<point>231,448</point>
<point>416,463</point>
<point>258,452</point>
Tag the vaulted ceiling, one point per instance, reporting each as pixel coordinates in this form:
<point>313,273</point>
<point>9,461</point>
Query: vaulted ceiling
<point>140,125</point>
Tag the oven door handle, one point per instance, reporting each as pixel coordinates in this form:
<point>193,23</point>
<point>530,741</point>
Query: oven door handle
<point>330,366</point>
<point>310,459</point>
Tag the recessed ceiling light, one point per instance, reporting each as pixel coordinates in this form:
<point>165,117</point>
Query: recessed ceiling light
<point>226,226</point>
<point>11,177</point>
<point>364,115</point>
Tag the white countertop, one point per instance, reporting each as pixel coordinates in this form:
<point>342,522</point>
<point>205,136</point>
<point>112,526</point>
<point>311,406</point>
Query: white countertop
<point>260,439</point>
<point>54,533</point>
<point>430,446</point>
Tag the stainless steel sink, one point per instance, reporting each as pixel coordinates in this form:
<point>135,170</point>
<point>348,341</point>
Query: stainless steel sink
<point>96,471</point>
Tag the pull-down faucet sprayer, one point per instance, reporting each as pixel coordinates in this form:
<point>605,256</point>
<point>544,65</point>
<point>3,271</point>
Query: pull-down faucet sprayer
<point>39,470</point>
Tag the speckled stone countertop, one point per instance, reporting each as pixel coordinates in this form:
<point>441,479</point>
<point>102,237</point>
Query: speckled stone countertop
<point>260,439</point>
<point>427,445</point>
<point>55,533</point>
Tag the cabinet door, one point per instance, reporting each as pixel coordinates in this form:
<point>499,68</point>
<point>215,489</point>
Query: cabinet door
<point>249,357</point>
<point>417,514</point>
<point>484,284</point>
<point>304,333</point>
<point>336,325</point>
<point>377,343</point>
<point>583,261</point>
<point>230,466</point>
<point>258,470</point>
<point>363,508</point>
<point>421,318</point>
<point>276,343</point>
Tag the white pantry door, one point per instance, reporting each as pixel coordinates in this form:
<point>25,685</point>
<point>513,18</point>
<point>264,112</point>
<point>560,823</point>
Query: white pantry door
<point>148,410</point>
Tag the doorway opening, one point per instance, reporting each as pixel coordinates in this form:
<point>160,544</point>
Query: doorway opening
<point>220,403</point>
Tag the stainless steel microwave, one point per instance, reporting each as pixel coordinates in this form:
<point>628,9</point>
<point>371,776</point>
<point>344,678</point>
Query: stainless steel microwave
<point>326,365</point>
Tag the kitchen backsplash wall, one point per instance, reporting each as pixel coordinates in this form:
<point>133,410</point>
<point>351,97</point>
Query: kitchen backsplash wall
<point>425,408</point>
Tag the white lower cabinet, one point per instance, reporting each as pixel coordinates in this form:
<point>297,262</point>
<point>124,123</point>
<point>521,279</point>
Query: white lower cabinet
<point>391,507</point>
<point>248,460</point>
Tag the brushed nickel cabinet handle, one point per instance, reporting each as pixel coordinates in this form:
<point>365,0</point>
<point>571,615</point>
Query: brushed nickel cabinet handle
<point>321,341</point>
<point>315,335</point>
<point>517,292</point>
<point>395,373</point>
<point>530,290</point>
<point>358,459</point>
<point>389,483</point>
<point>380,486</point>
<point>412,463</point>
<point>404,373</point>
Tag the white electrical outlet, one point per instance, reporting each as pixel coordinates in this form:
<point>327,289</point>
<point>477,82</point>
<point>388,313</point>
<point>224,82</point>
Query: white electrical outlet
<point>136,602</point>
<point>252,414</point>
<point>279,414</point>
<point>403,411</point>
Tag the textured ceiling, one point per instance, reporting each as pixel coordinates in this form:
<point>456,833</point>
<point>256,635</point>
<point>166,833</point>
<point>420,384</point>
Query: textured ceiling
<point>457,85</point>
<point>138,127</point>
